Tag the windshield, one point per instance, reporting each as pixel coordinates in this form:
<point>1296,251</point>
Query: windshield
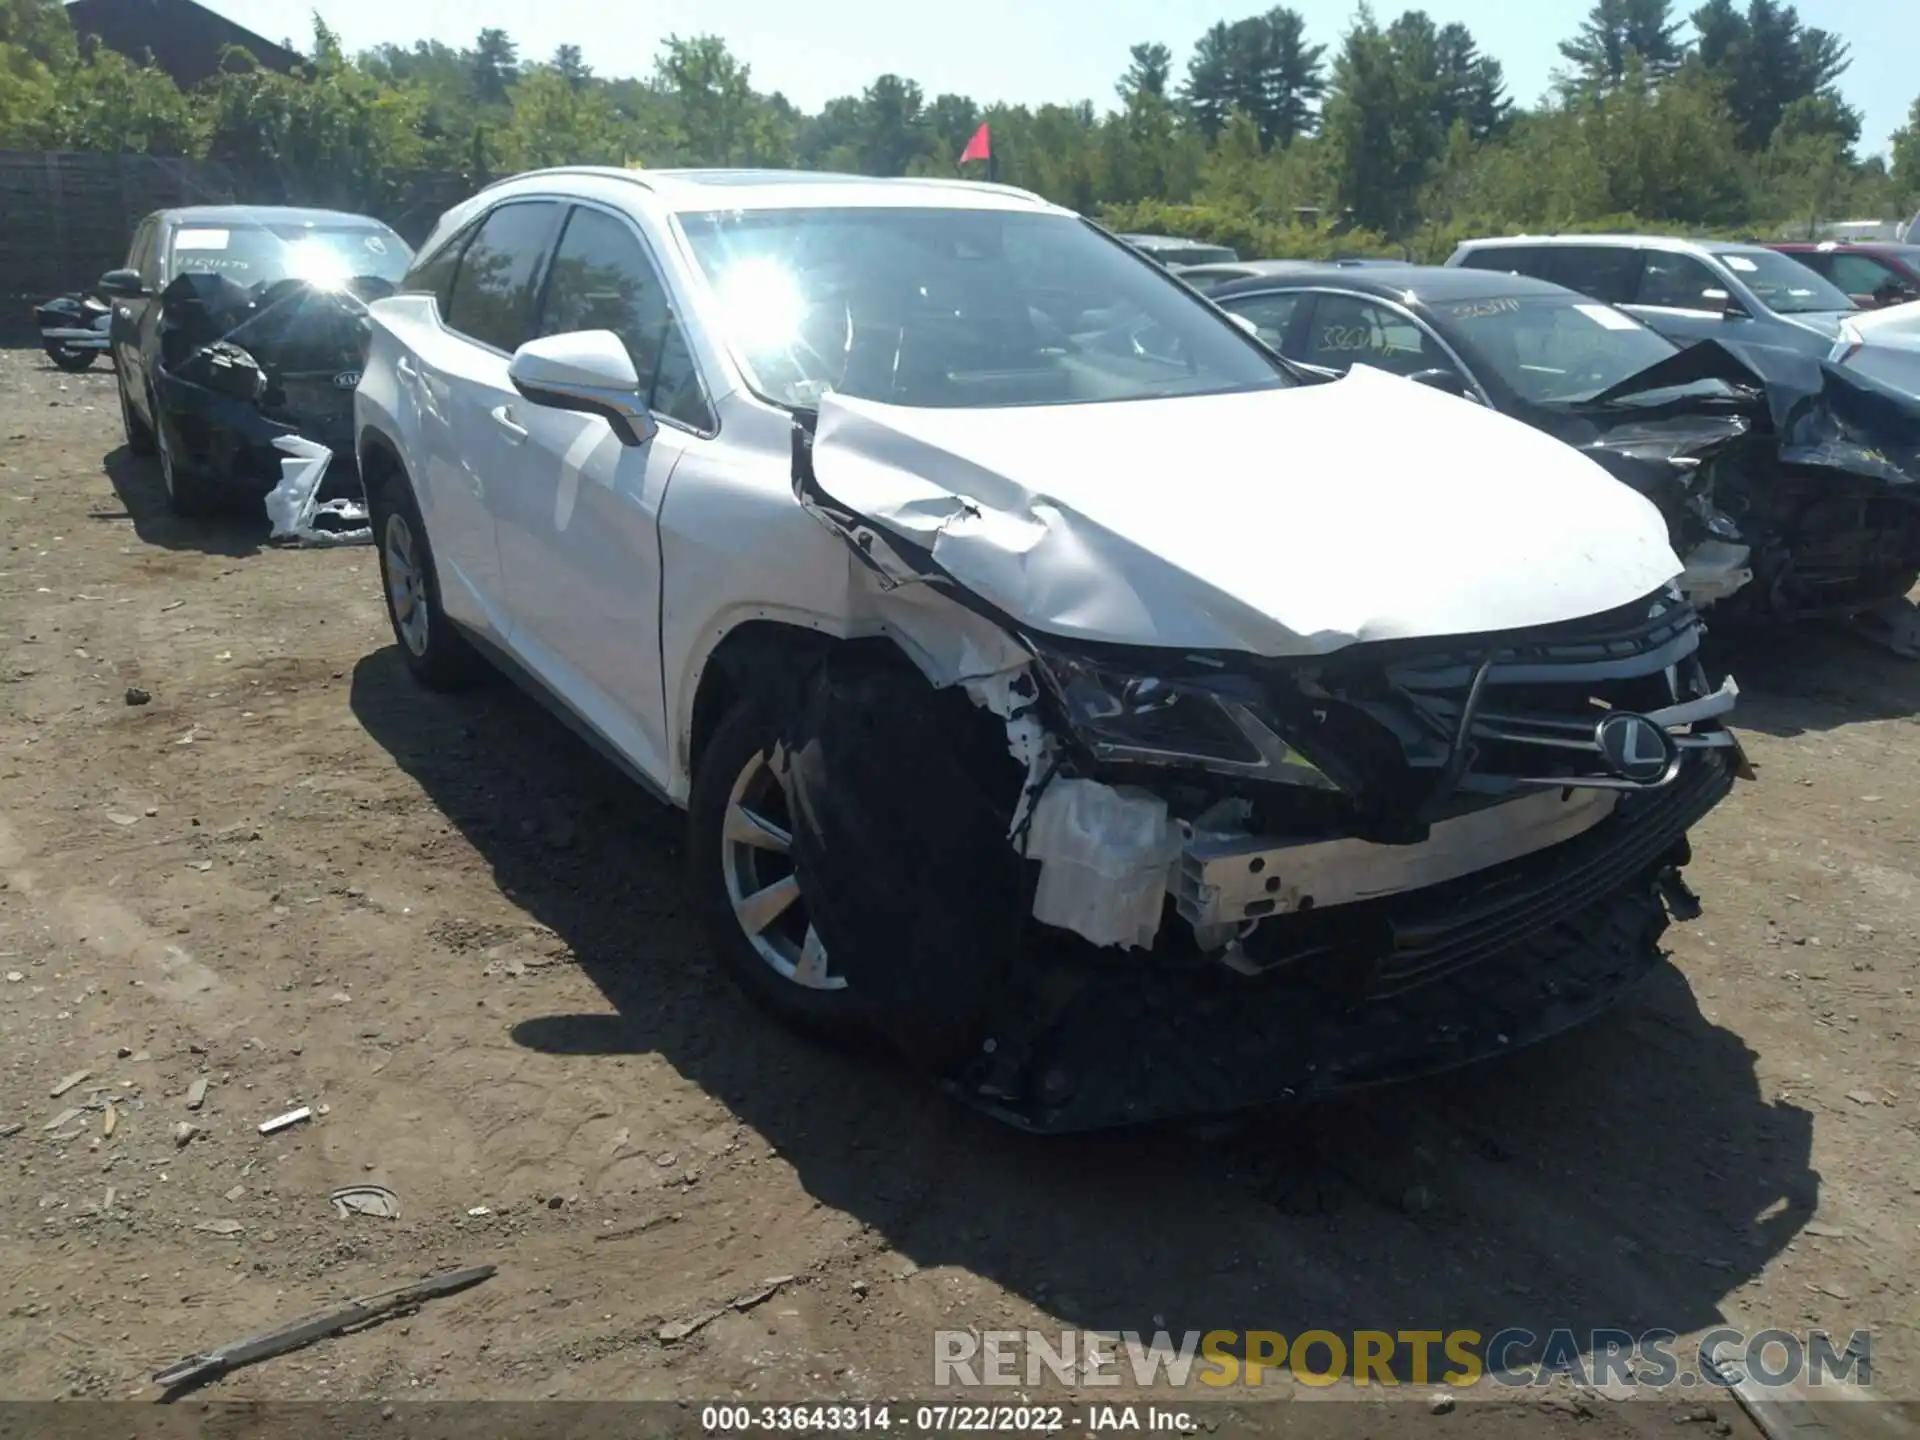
<point>253,255</point>
<point>958,308</point>
<point>1783,284</point>
<point>1551,349</point>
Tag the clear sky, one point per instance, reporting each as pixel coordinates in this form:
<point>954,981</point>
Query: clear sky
<point>1017,50</point>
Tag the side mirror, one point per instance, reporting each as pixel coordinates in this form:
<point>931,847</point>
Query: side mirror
<point>122,284</point>
<point>1730,306</point>
<point>1442,378</point>
<point>588,371</point>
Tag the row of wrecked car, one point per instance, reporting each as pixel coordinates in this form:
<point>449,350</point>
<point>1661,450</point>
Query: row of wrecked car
<point>1067,685</point>
<point>1789,473</point>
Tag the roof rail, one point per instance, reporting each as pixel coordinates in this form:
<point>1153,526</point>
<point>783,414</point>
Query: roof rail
<point>604,172</point>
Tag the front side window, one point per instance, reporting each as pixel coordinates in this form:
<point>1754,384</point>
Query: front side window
<point>1680,282</point>
<point>1550,349</point>
<point>1270,314</point>
<point>432,273</point>
<point>1855,274</point>
<point>957,308</point>
<point>1782,283</point>
<point>493,293</point>
<point>602,279</point>
<point>1347,331</point>
<point>255,255</point>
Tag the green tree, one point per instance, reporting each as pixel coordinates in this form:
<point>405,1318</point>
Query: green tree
<point>1765,60</point>
<point>1613,31</point>
<point>495,64</point>
<point>1906,157</point>
<point>1472,86</point>
<point>570,67</point>
<point>711,114</point>
<point>1261,66</point>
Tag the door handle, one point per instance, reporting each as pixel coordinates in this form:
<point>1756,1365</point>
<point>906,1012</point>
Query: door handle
<point>503,417</point>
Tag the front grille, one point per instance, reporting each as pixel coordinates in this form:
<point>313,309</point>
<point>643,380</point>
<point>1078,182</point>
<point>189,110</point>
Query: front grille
<point>1378,948</point>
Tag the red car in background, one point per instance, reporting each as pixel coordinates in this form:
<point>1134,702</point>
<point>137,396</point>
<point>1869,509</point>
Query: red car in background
<point>1872,273</point>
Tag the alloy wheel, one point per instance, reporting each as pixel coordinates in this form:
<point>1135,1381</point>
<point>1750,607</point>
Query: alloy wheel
<point>406,584</point>
<point>756,845</point>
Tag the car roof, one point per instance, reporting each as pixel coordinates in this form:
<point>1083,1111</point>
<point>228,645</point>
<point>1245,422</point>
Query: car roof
<point>269,215</point>
<point>1410,284</point>
<point>747,189</point>
<point>1679,243</point>
<point>1865,247</point>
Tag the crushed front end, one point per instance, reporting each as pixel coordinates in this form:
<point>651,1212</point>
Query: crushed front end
<point>1246,881</point>
<point>242,367</point>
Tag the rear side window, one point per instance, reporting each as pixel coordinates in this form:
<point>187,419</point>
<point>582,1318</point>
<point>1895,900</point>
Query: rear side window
<point>1347,331</point>
<point>1679,282</point>
<point>603,279</point>
<point>1606,272</point>
<point>493,289</point>
<point>141,256</point>
<point>432,274</point>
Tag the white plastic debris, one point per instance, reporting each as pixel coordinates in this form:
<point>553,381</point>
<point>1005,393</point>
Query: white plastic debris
<point>1104,855</point>
<point>293,505</point>
<point>281,1122</point>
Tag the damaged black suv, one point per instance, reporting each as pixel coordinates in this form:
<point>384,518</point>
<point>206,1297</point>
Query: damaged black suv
<point>234,325</point>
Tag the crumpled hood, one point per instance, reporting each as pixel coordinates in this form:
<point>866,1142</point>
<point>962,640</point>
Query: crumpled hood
<point>1281,522</point>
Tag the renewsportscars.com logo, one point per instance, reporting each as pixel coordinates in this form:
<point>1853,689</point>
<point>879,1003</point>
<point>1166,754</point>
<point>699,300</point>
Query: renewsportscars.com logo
<point>1652,1359</point>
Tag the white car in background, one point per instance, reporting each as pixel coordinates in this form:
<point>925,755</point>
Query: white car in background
<point>1883,345</point>
<point>1058,682</point>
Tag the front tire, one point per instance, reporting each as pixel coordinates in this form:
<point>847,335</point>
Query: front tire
<point>70,360</point>
<point>188,494</point>
<point>431,646</point>
<point>139,434</point>
<point>739,853</point>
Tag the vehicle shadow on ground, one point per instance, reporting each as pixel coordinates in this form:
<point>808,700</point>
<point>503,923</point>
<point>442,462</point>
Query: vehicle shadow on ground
<point>1629,1175</point>
<point>1800,679</point>
<point>136,480</point>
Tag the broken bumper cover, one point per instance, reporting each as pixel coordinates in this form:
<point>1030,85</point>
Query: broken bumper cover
<point>1369,992</point>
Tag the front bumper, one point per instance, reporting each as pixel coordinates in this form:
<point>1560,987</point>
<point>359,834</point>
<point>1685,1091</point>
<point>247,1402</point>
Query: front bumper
<point>1365,993</point>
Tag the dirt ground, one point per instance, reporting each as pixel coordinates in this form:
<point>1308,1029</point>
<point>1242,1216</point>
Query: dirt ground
<point>459,937</point>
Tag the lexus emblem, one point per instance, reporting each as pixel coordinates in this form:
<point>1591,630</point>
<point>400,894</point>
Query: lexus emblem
<point>346,379</point>
<point>1634,747</point>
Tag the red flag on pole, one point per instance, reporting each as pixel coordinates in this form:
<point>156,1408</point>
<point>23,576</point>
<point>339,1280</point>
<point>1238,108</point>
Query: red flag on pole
<point>980,147</point>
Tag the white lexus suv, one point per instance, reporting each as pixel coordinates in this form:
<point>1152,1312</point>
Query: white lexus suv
<point>1060,685</point>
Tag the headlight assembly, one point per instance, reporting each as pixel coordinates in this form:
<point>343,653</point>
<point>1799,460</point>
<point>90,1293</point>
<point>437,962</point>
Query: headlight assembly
<point>1125,716</point>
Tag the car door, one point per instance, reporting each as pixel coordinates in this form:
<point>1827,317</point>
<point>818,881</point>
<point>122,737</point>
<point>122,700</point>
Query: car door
<point>1680,296</point>
<point>130,314</point>
<point>579,522</point>
<point>469,445</point>
<point>1869,282</point>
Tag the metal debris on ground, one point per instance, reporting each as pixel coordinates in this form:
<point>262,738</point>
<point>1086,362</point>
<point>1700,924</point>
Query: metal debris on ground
<point>281,1122</point>
<point>66,1083</point>
<point>376,1200</point>
<point>205,1366</point>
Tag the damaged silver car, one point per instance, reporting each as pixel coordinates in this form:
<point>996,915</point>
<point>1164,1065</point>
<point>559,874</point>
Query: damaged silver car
<point>1119,720</point>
